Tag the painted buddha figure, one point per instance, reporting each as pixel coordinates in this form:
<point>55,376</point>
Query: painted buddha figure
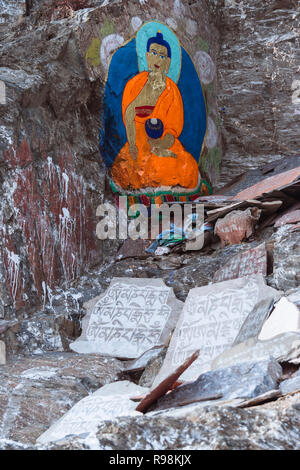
<point>152,110</point>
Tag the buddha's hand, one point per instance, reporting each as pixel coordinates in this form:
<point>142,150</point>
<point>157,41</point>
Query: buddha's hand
<point>161,147</point>
<point>133,150</point>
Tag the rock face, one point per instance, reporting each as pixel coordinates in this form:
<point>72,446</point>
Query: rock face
<point>11,10</point>
<point>208,428</point>
<point>52,75</point>
<point>36,391</point>
<point>258,83</point>
<point>51,175</point>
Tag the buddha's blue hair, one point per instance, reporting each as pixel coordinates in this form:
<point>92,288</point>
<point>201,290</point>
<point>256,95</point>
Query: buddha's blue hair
<point>159,39</point>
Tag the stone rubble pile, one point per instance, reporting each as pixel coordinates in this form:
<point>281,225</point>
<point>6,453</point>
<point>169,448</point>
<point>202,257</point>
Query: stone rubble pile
<point>229,348</point>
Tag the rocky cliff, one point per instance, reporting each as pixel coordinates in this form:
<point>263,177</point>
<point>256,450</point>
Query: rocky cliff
<point>53,64</point>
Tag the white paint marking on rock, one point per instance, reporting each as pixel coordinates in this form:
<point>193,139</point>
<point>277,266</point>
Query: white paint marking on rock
<point>2,353</point>
<point>212,134</point>
<point>136,23</point>
<point>171,23</point>
<point>205,66</point>
<point>109,44</point>
<point>2,92</point>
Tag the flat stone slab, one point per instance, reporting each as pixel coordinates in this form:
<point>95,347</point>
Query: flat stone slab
<point>285,317</point>
<point>36,391</point>
<point>131,317</point>
<point>279,347</point>
<point>253,261</point>
<point>246,380</point>
<point>211,319</point>
<point>141,362</point>
<point>109,402</point>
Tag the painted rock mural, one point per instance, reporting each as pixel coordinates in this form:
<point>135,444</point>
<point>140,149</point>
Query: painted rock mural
<point>154,120</point>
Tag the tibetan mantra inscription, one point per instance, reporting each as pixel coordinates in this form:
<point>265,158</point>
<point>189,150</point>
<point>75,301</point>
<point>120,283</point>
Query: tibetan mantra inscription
<point>250,262</point>
<point>154,118</point>
<point>210,321</point>
<point>132,316</point>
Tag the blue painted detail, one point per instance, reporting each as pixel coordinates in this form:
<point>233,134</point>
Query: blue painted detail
<point>159,39</point>
<point>123,66</point>
<point>154,130</point>
<point>195,117</point>
<point>149,30</point>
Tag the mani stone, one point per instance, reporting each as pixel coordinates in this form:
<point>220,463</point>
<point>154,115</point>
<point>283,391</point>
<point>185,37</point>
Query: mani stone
<point>131,317</point>
<point>2,353</point>
<point>211,319</point>
<point>279,348</point>
<point>246,380</point>
<point>109,402</point>
<point>284,318</point>
<point>286,273</point>
<point>249,262</point>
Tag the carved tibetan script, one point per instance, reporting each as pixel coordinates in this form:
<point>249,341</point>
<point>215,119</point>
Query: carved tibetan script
<point>249,262</point>
<point>131,317</point>
<point>210,321</point>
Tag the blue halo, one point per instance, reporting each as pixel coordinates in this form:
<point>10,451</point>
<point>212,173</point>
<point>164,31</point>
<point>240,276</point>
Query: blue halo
<point>150,30</point>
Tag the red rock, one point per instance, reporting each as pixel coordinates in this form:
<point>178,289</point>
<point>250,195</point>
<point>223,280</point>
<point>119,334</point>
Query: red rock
<point>56,221</point>
<point>237,226</point>
<point>20,157</point>
<point>269,184</point>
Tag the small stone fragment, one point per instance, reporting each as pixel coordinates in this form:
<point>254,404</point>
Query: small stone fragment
<point>237,225</point>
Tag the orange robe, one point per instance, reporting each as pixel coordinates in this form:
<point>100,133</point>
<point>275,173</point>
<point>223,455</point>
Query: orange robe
<point>150,170</point>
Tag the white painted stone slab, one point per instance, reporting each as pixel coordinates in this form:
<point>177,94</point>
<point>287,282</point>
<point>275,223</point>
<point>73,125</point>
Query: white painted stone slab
<point>285,317</point>
<point>280,348</point>
<point>109,402</point>
<point>132,316</point>
<point>210,321</point>
<point>2,353</point>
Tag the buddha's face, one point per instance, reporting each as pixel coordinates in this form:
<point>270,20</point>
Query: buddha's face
<point>157,59</point>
